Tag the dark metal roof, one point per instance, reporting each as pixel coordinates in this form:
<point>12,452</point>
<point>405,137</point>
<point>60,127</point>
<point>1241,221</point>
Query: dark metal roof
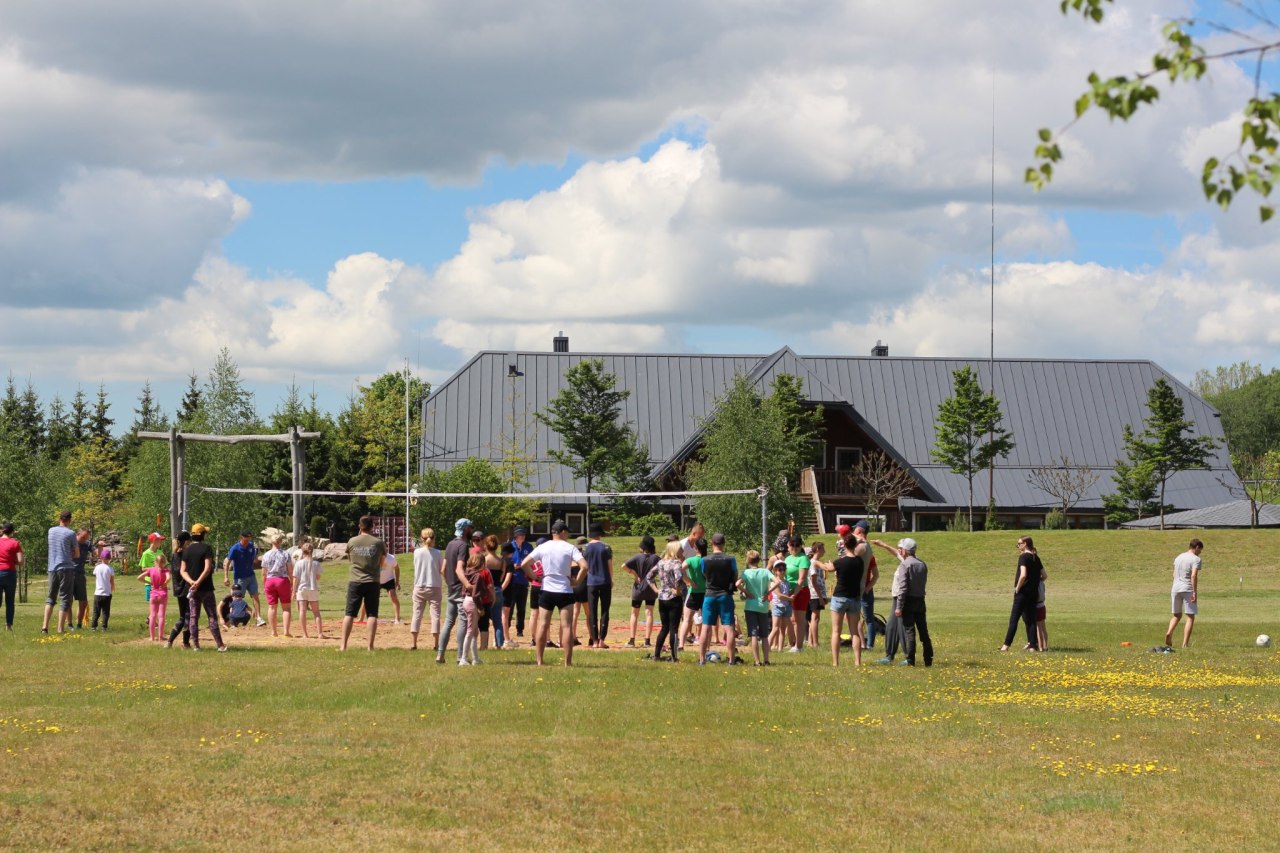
<point>1233,514</point>
<point>1054,408</point>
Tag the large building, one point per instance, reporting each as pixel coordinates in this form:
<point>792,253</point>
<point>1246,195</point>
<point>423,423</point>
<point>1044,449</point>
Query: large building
<point>1056,409</point>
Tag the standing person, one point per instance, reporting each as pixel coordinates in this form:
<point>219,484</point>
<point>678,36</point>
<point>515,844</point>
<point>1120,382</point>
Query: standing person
<point>642,594</point>
<point>1042,631</point>
<point>862,548</point>
<point>182,590</point>
<point>893,624</point>
<point>1186,589</point>
<point>910,607</point>
<point>798,580</point>
<point>689,544</point>
<point>11,559</point>
<point>599,558</point>
<point>455,563</point>
<point>846,600</point>
<point>307,571</point>
<point>241,559</point>
<point>428,584</point>
<point>721,574</point>
<point>80,588</point>
<point>497,568</point>
<point>781,610</point>
<point>666,579</point>
<point>756,583</point>
<point>147,558</point>
<point>579,594</point>
<point>104,586</point>
<point>560,560</point>
<point>534,573</point>
<point>197,571</point>
<point>157,578</point>
<point>515,597</point>
<point>63,551</point>
<point>363,587</point>
<point>817,589</point>
<point>696,583</point>
<point>389,579</point>
<point>1026,579</point>
<point>277,571</point>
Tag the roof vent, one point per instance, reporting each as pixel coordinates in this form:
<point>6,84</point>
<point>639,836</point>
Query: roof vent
<point>560,343</point>
<point>880,350</point>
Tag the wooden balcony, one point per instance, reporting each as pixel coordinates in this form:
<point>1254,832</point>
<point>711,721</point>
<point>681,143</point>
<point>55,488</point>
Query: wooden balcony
<point>821,482</point>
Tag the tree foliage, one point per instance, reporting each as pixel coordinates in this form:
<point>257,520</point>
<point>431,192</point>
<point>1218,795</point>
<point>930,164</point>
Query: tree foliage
<point>1166,444</point>
<point>95,492</point>
<point>969,436</point>
<point>492,515</point>
<point>1063,481</point>
<point>1255,162</point>
<point>1250,409</point>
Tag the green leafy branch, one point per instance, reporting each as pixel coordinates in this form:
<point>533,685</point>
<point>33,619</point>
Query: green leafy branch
<point>1254,164</point>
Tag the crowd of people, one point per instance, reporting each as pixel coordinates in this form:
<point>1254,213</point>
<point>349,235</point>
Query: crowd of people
<point>479,587</point>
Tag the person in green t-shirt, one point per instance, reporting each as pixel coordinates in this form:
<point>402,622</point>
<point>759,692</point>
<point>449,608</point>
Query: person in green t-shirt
<point>756,584</point>
<point>798,580</point>
<point>147,558</point>
<point>697,584</point>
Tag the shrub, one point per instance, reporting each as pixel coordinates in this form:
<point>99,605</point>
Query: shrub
<point>1055,520</point>
<point>958,523</point>
<point>657,524</point>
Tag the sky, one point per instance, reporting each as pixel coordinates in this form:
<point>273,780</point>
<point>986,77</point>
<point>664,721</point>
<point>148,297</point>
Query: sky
<point>330,188</point>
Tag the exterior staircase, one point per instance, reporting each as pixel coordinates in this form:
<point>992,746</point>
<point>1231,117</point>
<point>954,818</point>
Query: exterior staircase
<point>808,514</point>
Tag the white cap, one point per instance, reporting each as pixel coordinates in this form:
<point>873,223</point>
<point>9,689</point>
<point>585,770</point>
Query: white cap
<point>907,544</point>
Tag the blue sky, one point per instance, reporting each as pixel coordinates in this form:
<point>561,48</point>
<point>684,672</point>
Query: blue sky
<point>368,184</point>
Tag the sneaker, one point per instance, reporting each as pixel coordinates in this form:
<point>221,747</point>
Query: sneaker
<point>510,644</point>
<point>905,663</point>
<point>794,650</point>
<point>261,622</point>
<point>631,644</point>
<point>552,644</point>
<point>475,661</point>
<point>194,648</point>
<point>44,630</point>
<point>885,660</point>
<point>439,660</point>
<point>464,663</point>
<point>222,648</point>
<point>648,642</point>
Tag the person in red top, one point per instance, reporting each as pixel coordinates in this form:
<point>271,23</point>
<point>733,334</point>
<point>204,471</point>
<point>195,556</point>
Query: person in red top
<point>11,559</point>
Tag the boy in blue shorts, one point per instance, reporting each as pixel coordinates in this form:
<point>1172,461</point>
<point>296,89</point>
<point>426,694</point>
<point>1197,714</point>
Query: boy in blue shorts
<point>721,574</point>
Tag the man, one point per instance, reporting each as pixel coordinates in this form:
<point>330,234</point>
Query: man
<point>599,557</point>
<point>909,607</point>
<point>1186,586</point>
<point>561,564</point>
<point>364,586</point>
<point>241,558</point>
<point>197,571</point>
<point>181,590</point>
<point>64,550</point>
<point>455,563</point>
<point>721,573</point>
<point>862,548</point>
<point>689,544</point>
<point>642,595</point>
<point>80,589</point>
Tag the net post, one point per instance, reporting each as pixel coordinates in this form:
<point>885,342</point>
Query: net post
<point>763,491</point>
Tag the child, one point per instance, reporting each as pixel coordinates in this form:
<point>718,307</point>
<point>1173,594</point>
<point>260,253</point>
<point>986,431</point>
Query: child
<point>781,592</point>
<point>307,573</point>
<point>157,580</point>
<point>756,584</point>
<point>104,586</point>
<point>479,582</point>
<point>235,610</point>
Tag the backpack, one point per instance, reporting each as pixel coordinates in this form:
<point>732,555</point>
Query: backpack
<point>484,589</point>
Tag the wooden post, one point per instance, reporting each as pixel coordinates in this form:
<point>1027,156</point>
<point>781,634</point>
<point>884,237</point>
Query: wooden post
<point>295,458</point>
<point>174,498</point>
<point>180,483</point>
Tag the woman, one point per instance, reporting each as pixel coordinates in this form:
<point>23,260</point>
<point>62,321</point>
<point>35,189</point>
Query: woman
<point>428,587</point>
<point>817,588</point>
<point>11,559</point>
<point>492,613</point>
<point>181,589</point>
<point>516,596</point>
<point>277,571</point>
<point>697,584</point>
<point>1026,585</point>
<point>534,573</point>
<point>666,579</point>
<point>798,579</point>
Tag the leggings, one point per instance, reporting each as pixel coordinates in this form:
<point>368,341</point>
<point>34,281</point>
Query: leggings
<point>101,607</point>
<point>198,600</point>
<point>8,590</point>
<point>599,597</point>
<point>470,626</point>
<point>514,599</point>
<point>182,626</point>
<point>669,611</point>
<point>155,619</point>
<point>1024,608</point>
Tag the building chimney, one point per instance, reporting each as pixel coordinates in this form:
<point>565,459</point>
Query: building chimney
<point>560,343</point>
<point>880,350</point>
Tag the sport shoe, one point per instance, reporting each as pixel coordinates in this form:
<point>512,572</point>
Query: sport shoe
<point>261,622</point>
<point>885,660</point>
<point>222,648</point>
<point>648,642</point>
<point>794,650</point>
<point>463,663</point>
<point>630,644</point>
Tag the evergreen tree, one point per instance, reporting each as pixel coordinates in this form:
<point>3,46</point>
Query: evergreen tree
<point>30,423</point>
<point>1166,443</point>
<point>146,418</point>
<point>190,402</point>
<point>969,436</point>
<point>1135,494</point>
<point>101,422</point>
<point>58,430</point>
<point>80,417</point>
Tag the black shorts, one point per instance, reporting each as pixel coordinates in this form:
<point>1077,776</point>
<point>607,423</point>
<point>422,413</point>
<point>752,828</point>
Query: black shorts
<point>534,593</point>
<point>643,597</point>
<point>694,601</point>
<point>366,593</point>
<point>759,625</point>
<point>389,586</point>
<point>816,605</point>
<point>580,594</point>
<point>549,601</point>
<point>80,591</point>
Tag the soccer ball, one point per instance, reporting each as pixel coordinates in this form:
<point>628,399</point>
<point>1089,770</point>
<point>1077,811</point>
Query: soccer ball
<point>713,657</point>
<point>1264,640</point>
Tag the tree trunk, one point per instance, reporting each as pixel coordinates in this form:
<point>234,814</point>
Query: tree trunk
<point>1162,482</point>
<point>587,523</point>
<point>971,503</point>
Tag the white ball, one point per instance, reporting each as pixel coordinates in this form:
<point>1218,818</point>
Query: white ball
<point>1264,640</point>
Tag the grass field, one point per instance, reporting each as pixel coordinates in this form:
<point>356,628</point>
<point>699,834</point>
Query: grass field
<point>108,741</point>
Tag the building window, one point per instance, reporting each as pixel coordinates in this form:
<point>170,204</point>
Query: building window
<point>541,525</point>
<point>576,521</point>
<point>877,522</point>
<point>817,454</point>
<point>847,458</point>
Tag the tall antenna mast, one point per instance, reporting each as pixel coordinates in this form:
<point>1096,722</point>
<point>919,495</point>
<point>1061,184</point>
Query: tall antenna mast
<point>991,356</point>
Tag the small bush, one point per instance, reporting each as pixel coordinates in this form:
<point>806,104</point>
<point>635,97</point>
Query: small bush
<point>1055,520</point>
<point>657,524</point>
<point>316,529</point>
<point>959,523</point>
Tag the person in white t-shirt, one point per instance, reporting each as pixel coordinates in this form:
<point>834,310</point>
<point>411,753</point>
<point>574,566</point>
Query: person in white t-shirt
<point>1186,586</point>
<point>390,581</point>
<point>689,544</point>
<point>306,571</point>
<point>562,563</point>
<point>428,587</point>
<point>104,586</point>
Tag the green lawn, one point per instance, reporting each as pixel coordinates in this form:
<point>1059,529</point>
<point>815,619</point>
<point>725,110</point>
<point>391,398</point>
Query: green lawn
<point>110,742</point>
